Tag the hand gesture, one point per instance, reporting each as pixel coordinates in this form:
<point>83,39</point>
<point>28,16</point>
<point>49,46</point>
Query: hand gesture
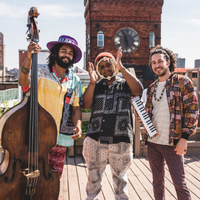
<point>118,60</point>
<point>78,131</point>
<point>93,74</point>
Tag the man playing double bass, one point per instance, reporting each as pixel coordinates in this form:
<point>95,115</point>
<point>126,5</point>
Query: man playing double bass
<point>59,92</point>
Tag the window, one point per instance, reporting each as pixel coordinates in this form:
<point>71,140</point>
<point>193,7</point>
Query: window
<point>100,39</point>
<point>88,44</point>
<point>152,39</point>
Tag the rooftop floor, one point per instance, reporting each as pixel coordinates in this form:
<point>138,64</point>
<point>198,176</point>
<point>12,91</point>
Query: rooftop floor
<point>74,179</point>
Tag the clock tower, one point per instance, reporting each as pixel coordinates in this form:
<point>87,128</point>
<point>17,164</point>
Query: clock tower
<point>134,25</point>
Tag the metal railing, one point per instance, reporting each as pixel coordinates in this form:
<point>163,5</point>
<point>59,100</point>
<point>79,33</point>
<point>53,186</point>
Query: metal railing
<point>9,94</point>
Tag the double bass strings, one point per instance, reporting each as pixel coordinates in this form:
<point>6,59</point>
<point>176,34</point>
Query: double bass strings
<point>33,126</point>
<point>35,61</point>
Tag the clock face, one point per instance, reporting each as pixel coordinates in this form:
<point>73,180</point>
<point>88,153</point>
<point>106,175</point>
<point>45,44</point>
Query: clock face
<point>128,39</point>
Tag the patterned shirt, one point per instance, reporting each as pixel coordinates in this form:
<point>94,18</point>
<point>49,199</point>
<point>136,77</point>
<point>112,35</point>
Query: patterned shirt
<point>183,107</point>
<point>58,98</point>
<point>111,116</point>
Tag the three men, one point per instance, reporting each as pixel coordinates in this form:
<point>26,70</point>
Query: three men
<point>110,133</point>
<point>171,104</point>
<point>59,92</point>
<point>173,107</point>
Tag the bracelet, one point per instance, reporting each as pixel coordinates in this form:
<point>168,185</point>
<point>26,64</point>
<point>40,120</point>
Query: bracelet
<point>28,58</point>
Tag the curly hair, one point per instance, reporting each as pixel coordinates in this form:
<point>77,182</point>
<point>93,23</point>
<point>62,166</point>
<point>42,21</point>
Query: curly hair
<point>169,55</point>
<point>54,54</point>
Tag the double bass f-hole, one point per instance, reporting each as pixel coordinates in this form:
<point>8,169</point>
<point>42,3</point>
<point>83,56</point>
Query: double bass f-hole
<point>13,170</point>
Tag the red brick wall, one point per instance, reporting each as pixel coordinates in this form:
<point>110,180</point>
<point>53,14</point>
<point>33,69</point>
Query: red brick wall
<point>110,16</point>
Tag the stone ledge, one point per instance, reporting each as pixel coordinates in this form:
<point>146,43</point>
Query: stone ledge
<point>194,143</point>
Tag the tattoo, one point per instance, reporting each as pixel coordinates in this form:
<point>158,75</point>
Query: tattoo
<point>25,70</point>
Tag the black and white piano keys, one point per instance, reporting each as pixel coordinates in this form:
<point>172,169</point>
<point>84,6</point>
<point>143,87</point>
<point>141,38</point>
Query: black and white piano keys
<point>146,121</point>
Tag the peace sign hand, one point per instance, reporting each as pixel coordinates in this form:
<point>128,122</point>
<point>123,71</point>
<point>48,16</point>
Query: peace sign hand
<point>93,74</point>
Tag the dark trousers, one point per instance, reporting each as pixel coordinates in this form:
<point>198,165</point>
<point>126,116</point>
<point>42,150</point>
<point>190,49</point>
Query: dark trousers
<point>156,154</point>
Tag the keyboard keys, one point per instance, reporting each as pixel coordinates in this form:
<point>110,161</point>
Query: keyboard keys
<point>148,125</point>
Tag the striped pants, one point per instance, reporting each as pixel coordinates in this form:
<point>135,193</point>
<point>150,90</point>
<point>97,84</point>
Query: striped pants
<point>96,157</point>
<point>157,154</point>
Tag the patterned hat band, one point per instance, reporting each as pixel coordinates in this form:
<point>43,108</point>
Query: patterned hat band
<point>66,40</point>
<point>69,41</point>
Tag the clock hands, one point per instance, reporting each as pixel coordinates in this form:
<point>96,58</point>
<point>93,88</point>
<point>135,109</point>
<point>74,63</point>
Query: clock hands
<point>128,39</point>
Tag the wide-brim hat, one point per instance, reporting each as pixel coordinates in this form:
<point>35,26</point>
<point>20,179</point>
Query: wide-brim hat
<point>103,54</point>
<point>70,41</point>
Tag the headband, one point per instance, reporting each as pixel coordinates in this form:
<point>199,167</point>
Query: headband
<point>161,51</point>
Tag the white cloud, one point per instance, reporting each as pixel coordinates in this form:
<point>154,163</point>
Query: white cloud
<point>47,11</point>
<point>58,11</point>
<point>195,21</point>
<point>8,11</point>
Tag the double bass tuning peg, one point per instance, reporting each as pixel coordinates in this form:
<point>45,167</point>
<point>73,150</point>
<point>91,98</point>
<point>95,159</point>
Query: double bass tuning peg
<point>28,25</point>
<point>28,37</point>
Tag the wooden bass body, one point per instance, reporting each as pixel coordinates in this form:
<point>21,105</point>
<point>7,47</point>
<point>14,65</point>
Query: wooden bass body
<point>14,127</point>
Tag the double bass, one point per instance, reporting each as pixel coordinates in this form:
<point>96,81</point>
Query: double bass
<point>27,133</point>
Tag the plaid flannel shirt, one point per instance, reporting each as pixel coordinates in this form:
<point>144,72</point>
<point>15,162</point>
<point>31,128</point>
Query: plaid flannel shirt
<point>183,107</point>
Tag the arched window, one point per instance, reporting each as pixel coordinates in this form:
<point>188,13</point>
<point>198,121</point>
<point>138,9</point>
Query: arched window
<point>151,39</point>
<point>100,39</point>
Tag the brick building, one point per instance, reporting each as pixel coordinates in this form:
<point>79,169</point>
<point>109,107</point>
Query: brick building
<point>41,56</point>
<point>135,25</point>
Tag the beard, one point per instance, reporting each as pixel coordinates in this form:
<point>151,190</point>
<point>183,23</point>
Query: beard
<point>162,74</point>
<point>59,61</point>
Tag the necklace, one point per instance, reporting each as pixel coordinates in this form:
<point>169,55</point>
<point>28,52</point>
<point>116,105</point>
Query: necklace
<point>62,77</point>
<point>156,86</point>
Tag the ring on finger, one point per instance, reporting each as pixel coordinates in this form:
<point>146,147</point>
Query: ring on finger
<point>32,51</point>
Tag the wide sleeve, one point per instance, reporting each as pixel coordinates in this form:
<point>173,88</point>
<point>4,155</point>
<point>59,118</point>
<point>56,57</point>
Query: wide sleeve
<point>190,109</point>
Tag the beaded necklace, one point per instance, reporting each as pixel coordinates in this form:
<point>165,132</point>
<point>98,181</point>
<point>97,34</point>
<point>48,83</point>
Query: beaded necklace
<point>156,85</point>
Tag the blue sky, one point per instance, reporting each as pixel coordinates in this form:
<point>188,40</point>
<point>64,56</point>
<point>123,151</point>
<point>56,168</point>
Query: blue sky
<point>180,28</point>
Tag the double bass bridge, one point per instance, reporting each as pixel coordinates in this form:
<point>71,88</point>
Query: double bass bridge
<point>34,174</point>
